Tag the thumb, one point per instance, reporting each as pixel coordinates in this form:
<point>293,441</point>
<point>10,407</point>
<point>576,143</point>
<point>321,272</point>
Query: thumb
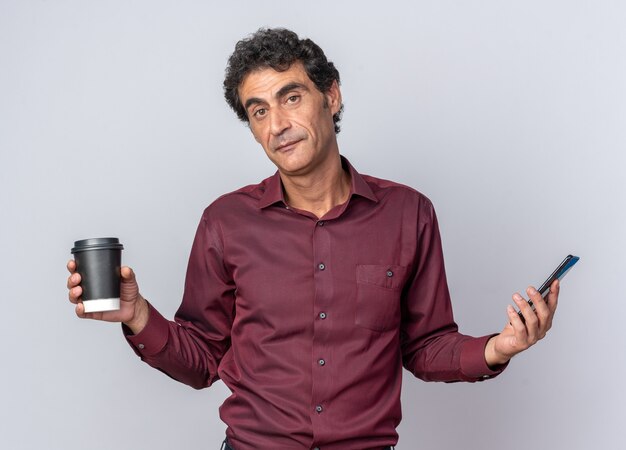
<point>129,291</point>
<point>128,276</point>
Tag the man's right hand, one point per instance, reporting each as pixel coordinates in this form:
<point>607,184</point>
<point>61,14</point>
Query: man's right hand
<point>133,310</point>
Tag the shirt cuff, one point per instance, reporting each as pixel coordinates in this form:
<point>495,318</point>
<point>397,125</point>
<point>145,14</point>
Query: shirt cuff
<point>152,339</point>
<point>473,364</point>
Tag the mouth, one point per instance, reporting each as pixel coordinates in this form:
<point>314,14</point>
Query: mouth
<point>287,146</point>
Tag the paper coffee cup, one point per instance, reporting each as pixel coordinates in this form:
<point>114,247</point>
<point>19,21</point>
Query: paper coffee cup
<point>99,261</point>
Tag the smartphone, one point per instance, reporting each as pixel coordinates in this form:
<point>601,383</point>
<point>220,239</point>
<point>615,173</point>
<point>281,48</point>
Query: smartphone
<point>558,273</point>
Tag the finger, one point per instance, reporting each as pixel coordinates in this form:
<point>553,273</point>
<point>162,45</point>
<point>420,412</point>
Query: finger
<point>520,340</point>
<point>128,275</point>
<point>552,301</point>
<point>129,290</point>
<point>519,328</point>
<point>71,266</point>
<point>75,293</point>
<point>73,280</point>
<point>542,312</point>
<point>531,322</point>
<point>80,310</point>
<point>540,305</point>
<point>553,295</point>
<point>530,318</point>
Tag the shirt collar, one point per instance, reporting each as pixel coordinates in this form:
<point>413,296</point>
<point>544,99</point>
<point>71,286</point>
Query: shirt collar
<point>274,187</point>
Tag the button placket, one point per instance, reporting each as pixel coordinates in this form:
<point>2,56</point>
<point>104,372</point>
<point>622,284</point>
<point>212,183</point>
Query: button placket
<point>323,275</point>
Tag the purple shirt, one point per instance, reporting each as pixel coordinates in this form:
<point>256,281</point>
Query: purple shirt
<point>309,322</point>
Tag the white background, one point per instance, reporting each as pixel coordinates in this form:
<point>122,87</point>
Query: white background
<point>509,115</point>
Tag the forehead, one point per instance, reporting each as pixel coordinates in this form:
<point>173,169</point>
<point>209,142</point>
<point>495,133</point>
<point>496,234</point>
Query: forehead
<point>266,82</point>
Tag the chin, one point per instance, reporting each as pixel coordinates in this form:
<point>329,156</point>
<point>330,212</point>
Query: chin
<point>292,163</point>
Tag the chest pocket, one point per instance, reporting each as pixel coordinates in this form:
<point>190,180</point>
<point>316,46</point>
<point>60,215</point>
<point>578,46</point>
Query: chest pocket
<point>378,294</point>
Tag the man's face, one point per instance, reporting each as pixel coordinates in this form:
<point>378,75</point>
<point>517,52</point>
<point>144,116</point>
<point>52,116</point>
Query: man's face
<point>291,118</point>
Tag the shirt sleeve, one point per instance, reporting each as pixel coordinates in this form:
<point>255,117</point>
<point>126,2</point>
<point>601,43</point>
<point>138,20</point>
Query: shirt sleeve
<point>432,347</point>
<point>190,348</point>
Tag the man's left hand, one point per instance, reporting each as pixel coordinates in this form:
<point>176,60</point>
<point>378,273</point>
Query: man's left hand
<point>519,335</point>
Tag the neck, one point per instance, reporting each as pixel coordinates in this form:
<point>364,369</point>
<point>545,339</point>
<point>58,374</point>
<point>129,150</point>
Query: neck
<point>320,191</point>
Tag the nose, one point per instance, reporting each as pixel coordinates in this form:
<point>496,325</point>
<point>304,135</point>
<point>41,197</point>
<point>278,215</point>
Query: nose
<point>279,122</point>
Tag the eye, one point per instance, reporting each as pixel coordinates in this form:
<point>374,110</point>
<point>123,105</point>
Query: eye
<point>259,112</point>
<point>293,98</point>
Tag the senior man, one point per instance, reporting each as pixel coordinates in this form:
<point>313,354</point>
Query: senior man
<point>308,292</point>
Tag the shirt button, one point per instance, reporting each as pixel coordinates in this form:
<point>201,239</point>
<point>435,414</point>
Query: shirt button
<point>321,266</point>
<point>320,223</point>
<point>389,273</point>
<point>321,362</point>
<point>141,346</point>
<point>319,409</point>
<point>322,315</point>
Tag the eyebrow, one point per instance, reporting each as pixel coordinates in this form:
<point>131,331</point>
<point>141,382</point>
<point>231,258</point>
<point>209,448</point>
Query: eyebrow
<point>281,92</point>
<point>252,101</point>
<point>290,87</point>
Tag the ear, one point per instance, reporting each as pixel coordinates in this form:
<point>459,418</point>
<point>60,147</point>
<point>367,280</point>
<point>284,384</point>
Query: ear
<point>333,98</point>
